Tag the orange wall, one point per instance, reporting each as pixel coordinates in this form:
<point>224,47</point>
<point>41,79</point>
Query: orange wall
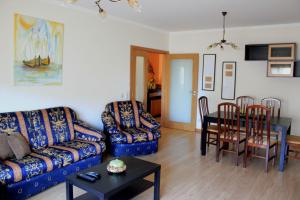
<point>156,60</point>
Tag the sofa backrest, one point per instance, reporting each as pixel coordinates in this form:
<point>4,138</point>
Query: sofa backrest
<point>41,128</point>
<point>125,113</point>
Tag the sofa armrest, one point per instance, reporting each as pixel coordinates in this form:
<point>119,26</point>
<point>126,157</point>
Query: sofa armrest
<point>86,133</point>
<point>109,123</point>
<point>148,122</point>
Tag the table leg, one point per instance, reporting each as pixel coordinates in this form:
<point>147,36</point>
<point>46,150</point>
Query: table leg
<point>69,189</point>
<point>204,136</point>
<point>157,185</point>
<point>283,148</point>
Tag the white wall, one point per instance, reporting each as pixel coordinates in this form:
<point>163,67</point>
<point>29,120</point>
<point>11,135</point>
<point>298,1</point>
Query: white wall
<point>251,75</point>
<point>96,59</point>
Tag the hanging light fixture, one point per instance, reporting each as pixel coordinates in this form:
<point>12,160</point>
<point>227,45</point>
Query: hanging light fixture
<point>132,3</point>
<point>223,41</point>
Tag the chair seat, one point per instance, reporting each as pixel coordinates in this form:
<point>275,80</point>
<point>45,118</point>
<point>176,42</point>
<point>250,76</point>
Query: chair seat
<point>293,140</point>
<point>48,159</point>
<point>242,129</point>
<point>234,136</point>
<point>213,128</point>
<point>251,142</point>
<point>134,135</point>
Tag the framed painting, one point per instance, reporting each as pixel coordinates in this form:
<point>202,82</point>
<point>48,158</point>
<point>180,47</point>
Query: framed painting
<point>208,73</point>
<point>228,80</point>
<point>38,46</point>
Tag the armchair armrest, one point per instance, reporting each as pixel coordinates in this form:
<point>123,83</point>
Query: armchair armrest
<point>86,133</point>
<point>148,122</point>
<point>109,123</point>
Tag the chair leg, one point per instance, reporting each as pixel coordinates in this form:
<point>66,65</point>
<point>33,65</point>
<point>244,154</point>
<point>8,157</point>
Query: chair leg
<point>245,155</point>
<point>208,139</point>
<point>237,153</point>
<point>218,151</point>
<point>275,154</point>
<point>287,153</point>
<point>267,159</point>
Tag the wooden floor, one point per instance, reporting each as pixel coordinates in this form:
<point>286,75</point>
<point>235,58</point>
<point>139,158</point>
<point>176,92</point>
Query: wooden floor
<point>188,175</point>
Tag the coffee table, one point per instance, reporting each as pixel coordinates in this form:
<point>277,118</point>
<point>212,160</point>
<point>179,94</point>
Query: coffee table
<point>117,186</point>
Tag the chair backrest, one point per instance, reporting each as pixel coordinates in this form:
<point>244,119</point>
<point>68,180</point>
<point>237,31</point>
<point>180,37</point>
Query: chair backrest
<point>203,107</point>
<point>229,121</point>
<point>258,123</point>
<point>243,102</point>
<point>273,104</point>
<point>125,113</point>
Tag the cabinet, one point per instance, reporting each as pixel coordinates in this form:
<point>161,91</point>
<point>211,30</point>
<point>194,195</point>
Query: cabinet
<point>281,68</point>
<point>282,51</point>
<point>281,58</point>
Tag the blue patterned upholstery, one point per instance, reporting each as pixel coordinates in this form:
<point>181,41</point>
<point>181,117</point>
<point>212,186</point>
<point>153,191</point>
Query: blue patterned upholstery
<point>126,123</point>
<point>29,187</point>
<point>57,140</point>
<point>134,149</point>
<point>84,132</point>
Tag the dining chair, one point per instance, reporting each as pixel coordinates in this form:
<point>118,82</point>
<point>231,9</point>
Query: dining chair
<point>212,130</point>
<point>293,145</point>
<point>273,104</point>
<point>229,131</point>
<point>258,134</point>
<point>243,102</point>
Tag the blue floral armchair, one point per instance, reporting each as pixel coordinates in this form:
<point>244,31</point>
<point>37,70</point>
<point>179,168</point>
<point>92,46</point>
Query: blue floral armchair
<point>131,130</point>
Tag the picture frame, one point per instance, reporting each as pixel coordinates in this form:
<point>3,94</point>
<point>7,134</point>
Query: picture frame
<point>209,72</point>
<point>228,80</point>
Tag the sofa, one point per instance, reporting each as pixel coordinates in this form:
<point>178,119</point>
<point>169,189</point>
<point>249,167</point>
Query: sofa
<point>60,145</point>
<point>130,130</point>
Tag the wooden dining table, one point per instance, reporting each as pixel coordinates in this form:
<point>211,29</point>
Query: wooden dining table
<point>281,125</point>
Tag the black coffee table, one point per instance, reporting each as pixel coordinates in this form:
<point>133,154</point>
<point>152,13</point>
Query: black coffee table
<point>117,187</point>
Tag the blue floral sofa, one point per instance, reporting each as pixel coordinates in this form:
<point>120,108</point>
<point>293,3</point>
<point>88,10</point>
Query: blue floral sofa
<point>60,145</point>
<point>131,131</point>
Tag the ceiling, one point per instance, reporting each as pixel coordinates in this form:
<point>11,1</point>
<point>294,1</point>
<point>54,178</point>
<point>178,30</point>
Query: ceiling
<point>180,15</point>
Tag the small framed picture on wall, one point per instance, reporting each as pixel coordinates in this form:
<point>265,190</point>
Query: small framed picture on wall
<point>228,80</point>
<point>208,73</point>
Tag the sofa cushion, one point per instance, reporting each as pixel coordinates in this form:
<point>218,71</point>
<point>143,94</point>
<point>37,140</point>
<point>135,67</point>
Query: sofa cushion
<point>73,151</point>
<point>45,160</point>
<point>5,150</point>
<point>134,135</point>
<point>48,127</point>
<point>19,145</point>
<point>14,170</point>
<point>41,128</point>
<point>125,113</point>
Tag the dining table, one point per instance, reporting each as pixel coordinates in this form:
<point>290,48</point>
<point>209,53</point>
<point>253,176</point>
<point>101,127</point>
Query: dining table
<point>281,125</point>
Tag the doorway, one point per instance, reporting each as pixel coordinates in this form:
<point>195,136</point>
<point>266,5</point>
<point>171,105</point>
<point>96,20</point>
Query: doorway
<point>166,84</point>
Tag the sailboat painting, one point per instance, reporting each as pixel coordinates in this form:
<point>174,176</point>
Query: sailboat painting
<point>38,51</point>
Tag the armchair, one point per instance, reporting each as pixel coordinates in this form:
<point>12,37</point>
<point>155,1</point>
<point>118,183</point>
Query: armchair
<point>131,130</point>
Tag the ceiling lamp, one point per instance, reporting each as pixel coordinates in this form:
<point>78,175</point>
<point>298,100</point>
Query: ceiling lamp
<point>132,3</point>
<point>223,42</point>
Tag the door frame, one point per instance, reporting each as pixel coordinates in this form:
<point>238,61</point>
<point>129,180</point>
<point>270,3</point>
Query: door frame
<point>177,125</point>
<point>138,50</point>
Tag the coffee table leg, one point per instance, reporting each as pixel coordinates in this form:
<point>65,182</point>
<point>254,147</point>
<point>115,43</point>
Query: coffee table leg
<point>157,185</point>
<point>69,189</point>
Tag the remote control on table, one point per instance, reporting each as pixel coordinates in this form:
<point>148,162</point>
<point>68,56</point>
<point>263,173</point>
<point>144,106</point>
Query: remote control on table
<point>93,174</point>
<point>86,177</point>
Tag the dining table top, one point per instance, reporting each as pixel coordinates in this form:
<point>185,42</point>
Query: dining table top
<point>280,121</point>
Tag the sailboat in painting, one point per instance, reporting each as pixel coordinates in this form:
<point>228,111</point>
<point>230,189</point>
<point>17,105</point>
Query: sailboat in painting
<point>36,49</point>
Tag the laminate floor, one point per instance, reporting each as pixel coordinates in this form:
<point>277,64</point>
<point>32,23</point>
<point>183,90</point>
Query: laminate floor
<point>188,175</point>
